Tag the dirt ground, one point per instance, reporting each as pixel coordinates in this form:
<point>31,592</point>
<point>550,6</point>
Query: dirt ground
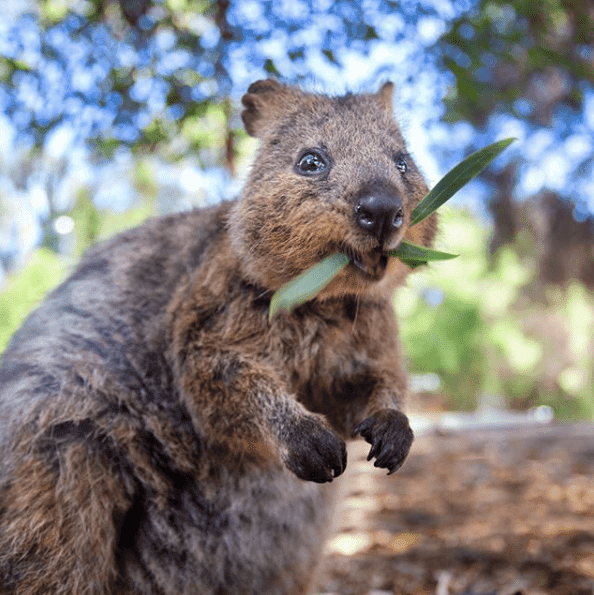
<point>503,511</point>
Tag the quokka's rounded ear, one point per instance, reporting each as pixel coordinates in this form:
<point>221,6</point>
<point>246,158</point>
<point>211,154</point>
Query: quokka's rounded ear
<point>264,101</point>
<point>385,95</point>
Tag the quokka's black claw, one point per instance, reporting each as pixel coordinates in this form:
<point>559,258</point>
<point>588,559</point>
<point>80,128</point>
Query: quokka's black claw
<point>390,436</point>
<point>315,452</point>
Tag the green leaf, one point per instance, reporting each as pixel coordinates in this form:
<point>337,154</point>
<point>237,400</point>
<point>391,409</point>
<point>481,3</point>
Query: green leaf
<point>308,284</point>
<point>457,177</point>
<point>413,264</point>
<point>409,252</point>
<point>465,84</point>
<point>370,34</point>
<point>271,69</point>
<point>330,55</point>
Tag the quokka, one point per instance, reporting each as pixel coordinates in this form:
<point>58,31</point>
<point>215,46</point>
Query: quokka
<point>158,433</point>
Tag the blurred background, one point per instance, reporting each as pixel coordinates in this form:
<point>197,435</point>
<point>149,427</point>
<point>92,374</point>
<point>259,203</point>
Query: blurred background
<point>113,111</point>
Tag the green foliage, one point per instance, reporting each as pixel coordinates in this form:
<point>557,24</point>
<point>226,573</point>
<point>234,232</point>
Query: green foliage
<point>87,221</point>
<point>25,291</point>
<point>475,324</point>
<point>112,223</point>
<point>45,269</point>
<point>501,52</point>
<point>206,129</point>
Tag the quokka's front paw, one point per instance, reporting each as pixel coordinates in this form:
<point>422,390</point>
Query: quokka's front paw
<point>313,451</point>
<point>390,437</point>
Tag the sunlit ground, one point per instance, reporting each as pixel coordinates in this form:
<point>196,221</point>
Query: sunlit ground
<point>476,511</point>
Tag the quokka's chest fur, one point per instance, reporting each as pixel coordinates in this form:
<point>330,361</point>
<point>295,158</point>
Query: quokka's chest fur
<point>158,433</point>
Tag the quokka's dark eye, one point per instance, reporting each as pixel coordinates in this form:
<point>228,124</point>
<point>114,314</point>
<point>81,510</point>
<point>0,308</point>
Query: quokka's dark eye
<point>401,163</point>
<point>311,163</point>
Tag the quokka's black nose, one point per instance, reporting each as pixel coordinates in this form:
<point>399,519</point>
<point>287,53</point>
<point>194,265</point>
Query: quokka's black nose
<point>379,214</point>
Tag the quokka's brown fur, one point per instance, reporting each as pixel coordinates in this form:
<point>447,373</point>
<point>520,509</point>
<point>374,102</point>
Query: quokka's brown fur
<point>158,434</point>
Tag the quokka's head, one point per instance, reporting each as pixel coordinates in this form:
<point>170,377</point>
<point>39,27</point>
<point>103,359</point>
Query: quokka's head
<point>332,174</point>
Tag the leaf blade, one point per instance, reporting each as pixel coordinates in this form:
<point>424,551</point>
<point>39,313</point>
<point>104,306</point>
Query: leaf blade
<point>414,253</point>
<point>307,285</point>
<point>456,178</point>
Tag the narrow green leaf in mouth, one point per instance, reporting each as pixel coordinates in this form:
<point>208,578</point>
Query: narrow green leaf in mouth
<point>307,285</point>
<point>411,252</point>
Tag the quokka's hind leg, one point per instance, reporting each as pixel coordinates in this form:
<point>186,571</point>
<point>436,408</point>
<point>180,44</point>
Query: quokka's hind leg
<point>58,521</point>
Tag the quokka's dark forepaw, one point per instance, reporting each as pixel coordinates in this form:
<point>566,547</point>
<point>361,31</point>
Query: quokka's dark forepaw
<point>390,437</point>
<point>314,452</point>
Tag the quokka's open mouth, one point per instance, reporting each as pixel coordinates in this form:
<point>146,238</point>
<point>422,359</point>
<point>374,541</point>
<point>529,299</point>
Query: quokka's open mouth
<point>370,266</point>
